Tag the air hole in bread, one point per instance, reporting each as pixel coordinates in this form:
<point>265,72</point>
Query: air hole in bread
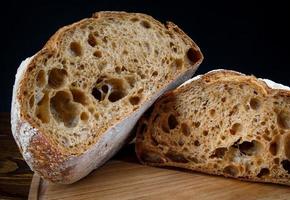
<point>286,165</point>
<point>152,157</point>
<point>276,161</point>
<point>164,125</point>
<point>231,170</point>
<point>79,96</point>
<point>84,116</point>
<point>255,104</point>
<point>145,24</point>
<point>31,101</point>
<point>193,55</point>
<point>31,68</point>
<point>283,120</point>
<point>41,78</point>
<point>287,146</point>
<point>172,121</point>
<point>173,47</point>
<point>236,128</point>
<point>118,70</point>
<point>142,76</point>
<point>219,152</point>
<point>42,110</point>
<point>266,137</point>
<point>92,40</point>
<point>97,94</point>
<point>250,148</point>
<point>177,64</point>
<point>234,110</point>
<point>64,110</point>
<point>273,148</point>
<point>263,172</point>
<point>25,92</point>
<point>181,142</point>
<point>196,143</point>
<point>134,19</point>
<point>57,78</point>
<point>114,88</point>
<point>97,54</point>
<point>196,124</point>
<point>155,73</point>
<point>116,96</point>
<point>156,52</point>
<point>125,52</point>
<point>176,157</point>
<point>212,112</point>
<point>134,100</point>
<point>205,133</point>
<point>105,39</point>
<point>90,27</point>
<point>76,49</point>
<point>185,129</point>
<point>105,88</point>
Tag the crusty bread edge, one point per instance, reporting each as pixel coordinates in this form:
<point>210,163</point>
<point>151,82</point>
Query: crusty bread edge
<point>40,153</point>
<point>265,86</point>
<point>271,84</point>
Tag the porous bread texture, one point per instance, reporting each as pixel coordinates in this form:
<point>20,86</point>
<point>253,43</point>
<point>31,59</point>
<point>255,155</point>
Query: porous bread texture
<point>89,79</point>
<point>222,123</point>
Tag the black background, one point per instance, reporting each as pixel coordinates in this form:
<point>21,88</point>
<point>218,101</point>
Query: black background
<point>250,37</point>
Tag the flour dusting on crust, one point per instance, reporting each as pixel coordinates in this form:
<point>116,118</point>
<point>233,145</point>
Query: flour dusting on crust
<point>22,131</point>
<point>274,85</point>
<point>201,75</point>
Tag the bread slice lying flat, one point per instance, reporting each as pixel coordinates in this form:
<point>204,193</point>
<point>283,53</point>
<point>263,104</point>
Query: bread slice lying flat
<point>222,123</point>
<point>76,100</point>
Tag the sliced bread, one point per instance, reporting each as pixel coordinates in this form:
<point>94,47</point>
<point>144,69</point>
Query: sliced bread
<point>76,101</point>
<point>222,123</point>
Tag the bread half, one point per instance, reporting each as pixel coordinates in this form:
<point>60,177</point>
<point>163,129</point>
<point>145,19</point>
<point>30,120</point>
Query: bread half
<point>76,101</point>
<point>222,123</point>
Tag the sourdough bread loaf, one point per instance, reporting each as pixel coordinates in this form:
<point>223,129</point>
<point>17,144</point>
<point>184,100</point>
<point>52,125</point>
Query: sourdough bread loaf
<point>222,123</point>
<point>76,100</point>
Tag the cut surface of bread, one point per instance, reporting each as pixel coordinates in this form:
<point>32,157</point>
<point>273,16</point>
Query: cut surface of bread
<point>222,123</point>
<point>76,100</point>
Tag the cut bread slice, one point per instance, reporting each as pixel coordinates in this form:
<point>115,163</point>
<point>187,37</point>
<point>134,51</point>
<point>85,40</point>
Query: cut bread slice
<point>76,101</point>
<point>222,123</point>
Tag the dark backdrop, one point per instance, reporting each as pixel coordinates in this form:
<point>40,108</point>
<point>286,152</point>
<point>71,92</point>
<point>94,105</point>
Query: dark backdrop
<point>250,37</point>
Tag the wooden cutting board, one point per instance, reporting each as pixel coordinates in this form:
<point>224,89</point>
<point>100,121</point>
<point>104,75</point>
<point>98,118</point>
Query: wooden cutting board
<point>124,178</point>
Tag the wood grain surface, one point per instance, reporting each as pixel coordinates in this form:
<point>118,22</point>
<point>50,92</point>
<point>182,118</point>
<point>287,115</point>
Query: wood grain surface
<point>15,175</point>
<point>129,180</point>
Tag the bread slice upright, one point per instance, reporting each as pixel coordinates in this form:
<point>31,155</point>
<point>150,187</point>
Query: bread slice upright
<point>76,101</point>
<point>222,123</point>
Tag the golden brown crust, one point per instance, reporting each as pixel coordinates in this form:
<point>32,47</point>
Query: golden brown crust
<point>146,144</point>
